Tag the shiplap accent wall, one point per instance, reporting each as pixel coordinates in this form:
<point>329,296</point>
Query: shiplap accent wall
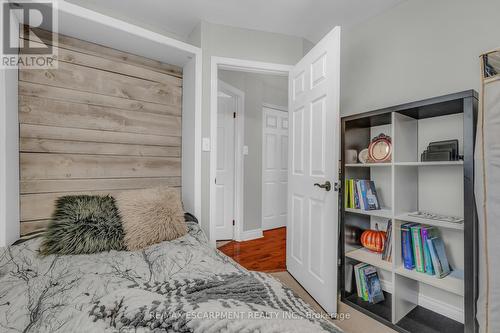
<point>102,122</point>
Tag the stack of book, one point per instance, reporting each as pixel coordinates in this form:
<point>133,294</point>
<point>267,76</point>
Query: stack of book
<point>368,284</point>
<point>361,194</point>
<point>387,251</point>
<point>423,249</point>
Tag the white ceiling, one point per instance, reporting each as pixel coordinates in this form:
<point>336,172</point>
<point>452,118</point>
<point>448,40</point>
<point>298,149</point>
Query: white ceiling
<point>310,19</point>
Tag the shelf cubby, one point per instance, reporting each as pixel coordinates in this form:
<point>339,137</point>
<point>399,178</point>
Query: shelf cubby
<point>383,212</point>
<point>435,163</point>
<point>453,283</point>
<point>421,320</point>
<point>375,259</point>
<point>381,310</point>
<point>405,217</point>
<point>416,302</point>
<point>367,165</point>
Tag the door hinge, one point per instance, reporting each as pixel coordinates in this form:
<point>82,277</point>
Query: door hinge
<point>234,114</point>
<point>215,181</point>
<point>339,262</point>
<point>233,223</point>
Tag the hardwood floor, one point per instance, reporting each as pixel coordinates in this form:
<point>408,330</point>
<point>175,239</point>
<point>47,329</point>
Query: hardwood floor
<point>267,254</point>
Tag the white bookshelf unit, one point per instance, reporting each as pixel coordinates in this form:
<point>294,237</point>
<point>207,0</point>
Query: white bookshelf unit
<point>414,301</point>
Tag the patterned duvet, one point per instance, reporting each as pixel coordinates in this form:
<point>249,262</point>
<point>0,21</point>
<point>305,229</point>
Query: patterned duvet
<point>178,286</point>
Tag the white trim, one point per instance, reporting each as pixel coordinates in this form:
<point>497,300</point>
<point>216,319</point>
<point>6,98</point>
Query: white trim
<point>78,22</point>
<point>442,308</point>
<point>198,130</point>
<point>237,65</point>
<point>191,142</point>
<point>251,66</point>
<point>275,107</point>
<point>239,166</point>
<point>9,151</point>
<point>251,234</point>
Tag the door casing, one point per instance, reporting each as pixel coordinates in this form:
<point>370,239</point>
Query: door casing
<point>242,66</point>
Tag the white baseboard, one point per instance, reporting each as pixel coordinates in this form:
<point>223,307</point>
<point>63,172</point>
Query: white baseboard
<point>432,304</point>
<point>251,234</point>
<point>443,308</point>
<point>267,226</point>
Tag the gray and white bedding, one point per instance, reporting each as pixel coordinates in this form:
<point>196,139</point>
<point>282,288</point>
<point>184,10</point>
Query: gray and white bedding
<point>177,286</point>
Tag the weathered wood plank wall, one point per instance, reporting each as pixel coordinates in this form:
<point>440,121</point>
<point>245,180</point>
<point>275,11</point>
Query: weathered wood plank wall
<point>102,122</point>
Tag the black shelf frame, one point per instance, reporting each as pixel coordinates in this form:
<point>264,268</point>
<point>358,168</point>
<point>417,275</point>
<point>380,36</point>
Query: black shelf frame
<point>465,102</point>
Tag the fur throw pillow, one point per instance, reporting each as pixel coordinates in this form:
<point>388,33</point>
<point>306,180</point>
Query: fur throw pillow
<point>83,224</point>
<point>151,216</point>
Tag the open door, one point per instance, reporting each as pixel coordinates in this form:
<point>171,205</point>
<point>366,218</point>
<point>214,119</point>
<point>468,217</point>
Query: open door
<point>227,105</point>
<point>312,228</point>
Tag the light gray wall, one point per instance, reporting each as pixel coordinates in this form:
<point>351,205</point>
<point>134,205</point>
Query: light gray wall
<point>416,50</point>
<point>194,37</point>
<point>258,89</point>
<point>225,41</point>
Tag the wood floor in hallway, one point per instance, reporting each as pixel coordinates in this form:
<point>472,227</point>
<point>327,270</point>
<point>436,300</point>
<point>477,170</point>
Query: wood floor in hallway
<point>266,254</point>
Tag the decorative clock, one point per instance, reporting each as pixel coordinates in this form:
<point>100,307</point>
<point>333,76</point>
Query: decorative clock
<point>380,149</point>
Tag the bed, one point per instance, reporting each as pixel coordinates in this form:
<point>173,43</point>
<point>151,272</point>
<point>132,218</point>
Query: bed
<point>184,285</point>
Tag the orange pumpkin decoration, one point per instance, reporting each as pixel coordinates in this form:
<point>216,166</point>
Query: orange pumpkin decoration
<point>373,240</point>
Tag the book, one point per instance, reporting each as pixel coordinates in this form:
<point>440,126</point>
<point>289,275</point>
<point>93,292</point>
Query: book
<point>371,196</point>
<point>360,196</point>
<point>349,273</point>
<point>368,195</point>
<point>351,186</point>
<point>347,194</point>
<point>428,232</point>
<point>375,294</point>
<point>356,196</point>
<point>406,246</point>
<point>438,255</point>
<point>358,278</point>
<point>364,287</point>
<point>387,251</point>
<point>418,252</point>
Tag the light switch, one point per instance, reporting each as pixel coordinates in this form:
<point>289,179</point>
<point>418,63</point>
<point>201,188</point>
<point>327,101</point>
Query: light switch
<point>245,150</point>
<point>205,144</point>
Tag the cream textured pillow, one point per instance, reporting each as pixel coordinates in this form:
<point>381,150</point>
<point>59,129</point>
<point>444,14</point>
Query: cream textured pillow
<point>151,216</point>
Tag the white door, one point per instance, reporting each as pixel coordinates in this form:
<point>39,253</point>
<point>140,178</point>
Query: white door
<point>224,182</point>
<point>312,228</point>
<point>274,168</point>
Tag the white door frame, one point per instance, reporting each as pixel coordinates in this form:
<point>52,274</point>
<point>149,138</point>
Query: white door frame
<point>239,167</point>
<point>242,66</point>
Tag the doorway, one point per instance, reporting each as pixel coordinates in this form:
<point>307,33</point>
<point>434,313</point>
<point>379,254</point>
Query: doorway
<point>252,168</point>
<point>312,191</point>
